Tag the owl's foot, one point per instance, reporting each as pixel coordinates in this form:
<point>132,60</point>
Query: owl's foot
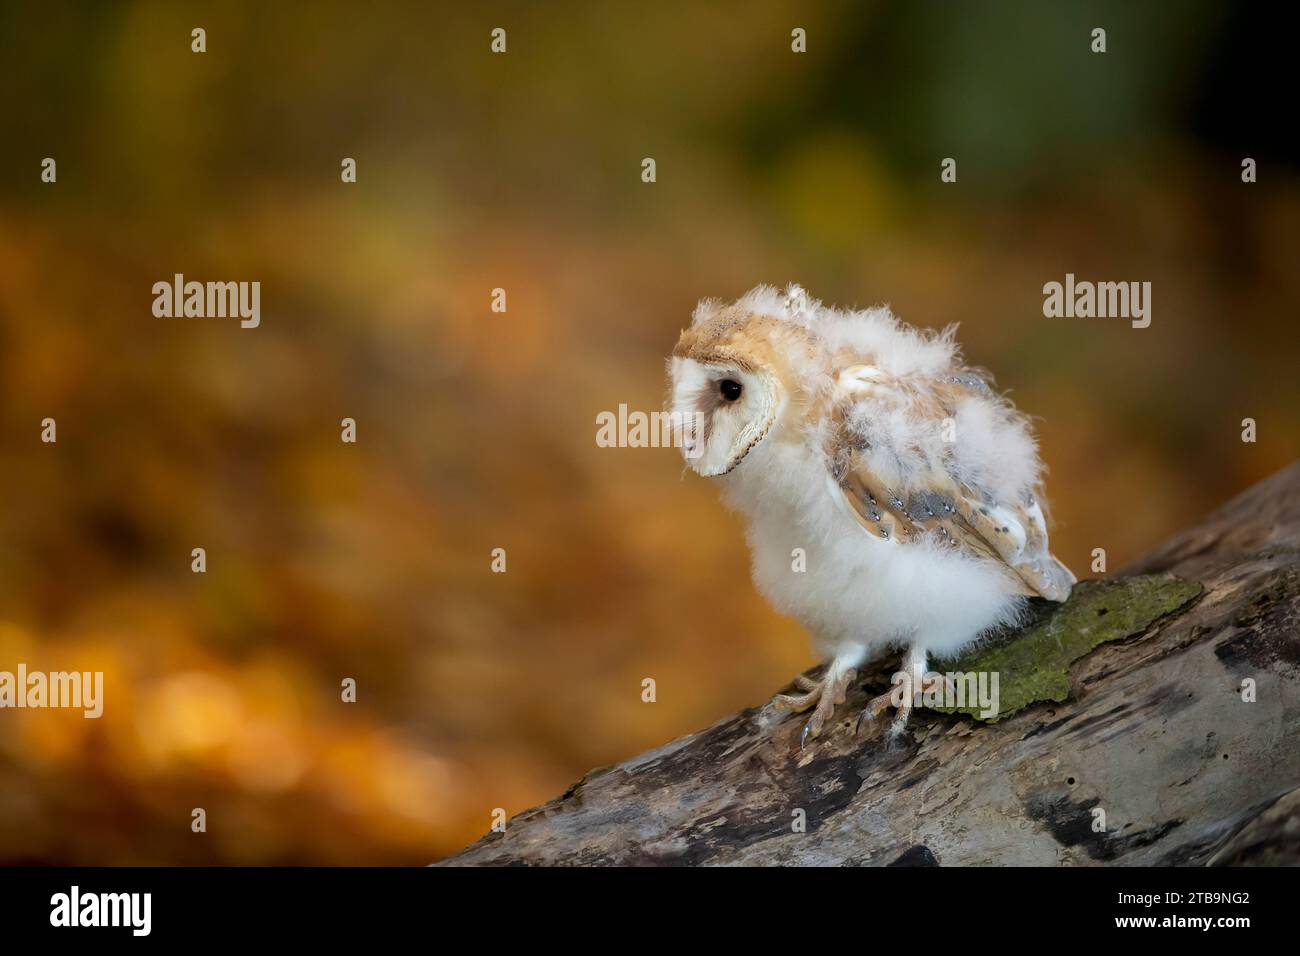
<point>826,694</point>
<point>877,707</point>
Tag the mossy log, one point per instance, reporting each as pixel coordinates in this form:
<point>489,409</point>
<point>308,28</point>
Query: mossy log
<point>1152,719</point>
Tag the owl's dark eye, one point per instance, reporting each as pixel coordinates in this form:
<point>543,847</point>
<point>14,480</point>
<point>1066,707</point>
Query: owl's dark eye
<point>730,389</point>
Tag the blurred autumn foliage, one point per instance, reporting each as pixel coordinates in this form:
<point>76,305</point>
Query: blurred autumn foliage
<point>476,430</point>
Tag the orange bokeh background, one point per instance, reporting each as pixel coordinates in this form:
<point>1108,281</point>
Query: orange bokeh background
<point>476,430</point>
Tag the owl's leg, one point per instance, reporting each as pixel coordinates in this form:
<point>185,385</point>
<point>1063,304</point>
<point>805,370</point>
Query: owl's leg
<point>914,662</point>
<point>827,694</point>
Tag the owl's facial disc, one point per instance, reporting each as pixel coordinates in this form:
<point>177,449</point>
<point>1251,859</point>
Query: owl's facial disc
<point>724,411</point>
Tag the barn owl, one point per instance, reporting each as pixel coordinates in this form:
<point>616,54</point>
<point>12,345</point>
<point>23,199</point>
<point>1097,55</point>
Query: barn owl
<point>912,490</point>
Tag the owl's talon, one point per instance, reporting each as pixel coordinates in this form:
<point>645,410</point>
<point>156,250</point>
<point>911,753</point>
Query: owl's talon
<point>876,708</point>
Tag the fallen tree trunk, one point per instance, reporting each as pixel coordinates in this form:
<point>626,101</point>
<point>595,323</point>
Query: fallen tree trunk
<point>1152,719</point>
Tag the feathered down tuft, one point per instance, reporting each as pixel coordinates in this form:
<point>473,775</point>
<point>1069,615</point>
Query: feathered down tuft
<point>902,349</point>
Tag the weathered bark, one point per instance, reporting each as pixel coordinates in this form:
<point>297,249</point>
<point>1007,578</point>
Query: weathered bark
<point>1127,699</point>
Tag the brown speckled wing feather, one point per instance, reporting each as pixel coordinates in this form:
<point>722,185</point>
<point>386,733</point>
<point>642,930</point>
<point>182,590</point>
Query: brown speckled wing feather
<point>938,507</point>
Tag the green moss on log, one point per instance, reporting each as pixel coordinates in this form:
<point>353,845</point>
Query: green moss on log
<point>1033,662</point>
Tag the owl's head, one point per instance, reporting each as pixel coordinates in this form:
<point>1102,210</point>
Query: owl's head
<point>730,380</point>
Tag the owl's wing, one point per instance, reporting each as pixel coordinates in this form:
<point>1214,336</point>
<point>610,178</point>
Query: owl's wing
<point>969,519</point>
